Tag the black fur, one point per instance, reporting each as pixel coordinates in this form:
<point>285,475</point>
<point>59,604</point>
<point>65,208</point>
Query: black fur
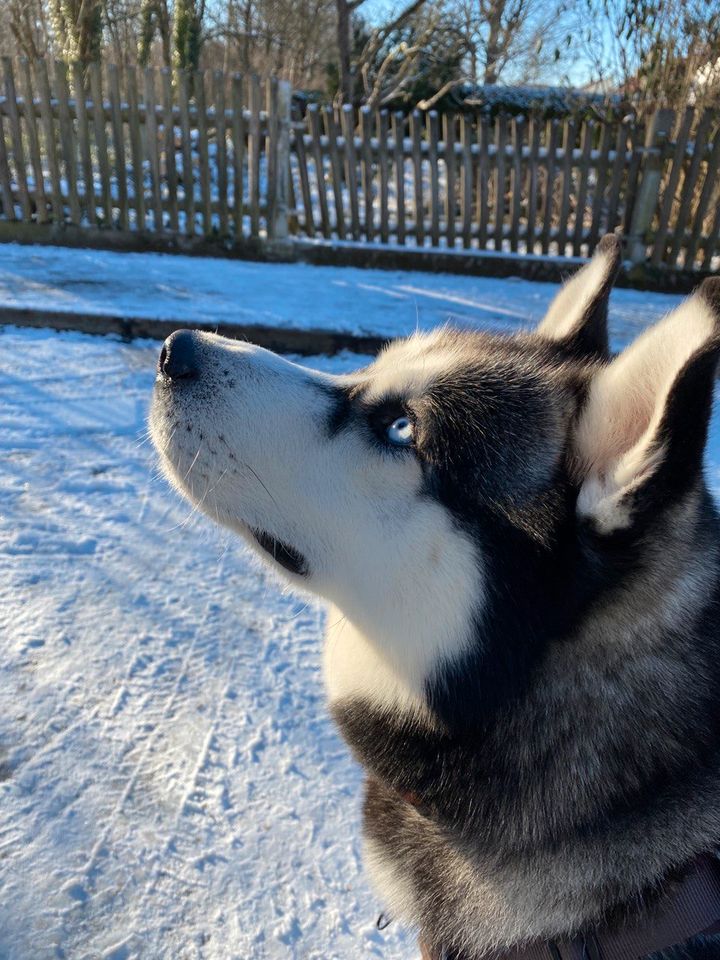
<point>505,773</point>
<point>282,553</point>
<point>591,338</point>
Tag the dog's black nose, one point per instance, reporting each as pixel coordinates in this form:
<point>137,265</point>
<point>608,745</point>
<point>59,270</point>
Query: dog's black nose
<point>178,357</point>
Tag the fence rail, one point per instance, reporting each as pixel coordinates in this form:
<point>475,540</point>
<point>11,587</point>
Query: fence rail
<point>232,157</point>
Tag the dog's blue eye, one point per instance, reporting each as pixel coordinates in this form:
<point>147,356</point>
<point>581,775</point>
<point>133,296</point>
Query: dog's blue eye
<point>400,432</point>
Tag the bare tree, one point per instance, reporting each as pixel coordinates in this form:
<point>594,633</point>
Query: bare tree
<point>294,38</point>
<point>417,56</point>
<point>345,9</point>
<point>238,27</point>
<point>341,45</point>
<point>504,19</point>
<point>498,32</point>
<point>122,20</point>
<point>28,26</point>
<point>655,52</point>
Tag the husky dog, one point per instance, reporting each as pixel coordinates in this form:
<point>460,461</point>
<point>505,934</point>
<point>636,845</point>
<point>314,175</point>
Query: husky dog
<point>522,562</point>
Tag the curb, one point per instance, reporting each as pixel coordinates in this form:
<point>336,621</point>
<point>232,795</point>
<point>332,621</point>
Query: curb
<point>281,340</point>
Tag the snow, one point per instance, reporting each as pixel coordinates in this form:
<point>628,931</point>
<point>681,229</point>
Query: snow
<point>174,787</point>
<point>171,785</point>
<point>184,289</point>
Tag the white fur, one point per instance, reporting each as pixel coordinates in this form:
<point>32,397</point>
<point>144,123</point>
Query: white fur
<point>406,581</point>
<point>615,439</point>
<point>408,367</point>
<point>567,311</point>
<point>397,892</point>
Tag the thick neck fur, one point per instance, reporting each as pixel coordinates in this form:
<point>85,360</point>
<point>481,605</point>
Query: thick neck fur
<point>572,760</point>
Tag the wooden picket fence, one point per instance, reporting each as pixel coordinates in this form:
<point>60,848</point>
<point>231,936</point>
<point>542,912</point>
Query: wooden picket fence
<point>160,153</point>
<point>468,181</point>
<point>229,157</point>
<point>514,184</point>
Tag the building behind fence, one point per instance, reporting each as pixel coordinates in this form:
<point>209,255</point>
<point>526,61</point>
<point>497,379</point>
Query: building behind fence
<point>231,158</point>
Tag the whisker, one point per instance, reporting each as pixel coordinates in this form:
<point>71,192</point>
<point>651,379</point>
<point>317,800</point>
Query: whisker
<point>189,470</point>
<point>248,467</point>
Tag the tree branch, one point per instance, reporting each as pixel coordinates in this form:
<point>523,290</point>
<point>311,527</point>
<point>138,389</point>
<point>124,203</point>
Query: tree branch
<point>445,89</point>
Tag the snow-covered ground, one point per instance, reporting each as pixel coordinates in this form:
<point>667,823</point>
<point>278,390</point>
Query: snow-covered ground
<point>184,289</point>
<point>170,783</point>
<point>172,786</point>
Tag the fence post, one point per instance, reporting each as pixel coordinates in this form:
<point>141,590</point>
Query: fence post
<point>646,201</point>
<point>282,167</point>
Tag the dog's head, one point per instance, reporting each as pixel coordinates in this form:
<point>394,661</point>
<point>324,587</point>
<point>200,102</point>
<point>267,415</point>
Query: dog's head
<point>451,484</point>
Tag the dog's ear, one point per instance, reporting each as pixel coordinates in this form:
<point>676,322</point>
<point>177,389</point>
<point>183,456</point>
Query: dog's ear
<point>577,317</point>
<point>640,438</point>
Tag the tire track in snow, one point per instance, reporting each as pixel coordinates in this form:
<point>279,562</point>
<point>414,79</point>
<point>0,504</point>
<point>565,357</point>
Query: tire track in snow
<point>188,806</point>
<point>89,867</point>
